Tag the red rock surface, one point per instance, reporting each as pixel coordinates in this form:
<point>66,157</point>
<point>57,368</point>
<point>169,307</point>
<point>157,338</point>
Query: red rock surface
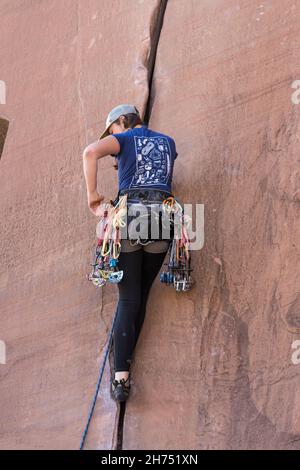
<point>213,367</point>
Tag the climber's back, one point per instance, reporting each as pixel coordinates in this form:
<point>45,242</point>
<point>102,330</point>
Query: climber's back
<point>146,159</point>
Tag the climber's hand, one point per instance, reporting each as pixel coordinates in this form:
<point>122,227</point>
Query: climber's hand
<point>94,201</point>
<point>100,210</point>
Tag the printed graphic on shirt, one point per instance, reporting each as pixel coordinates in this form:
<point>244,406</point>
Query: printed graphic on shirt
<point>153,161</point>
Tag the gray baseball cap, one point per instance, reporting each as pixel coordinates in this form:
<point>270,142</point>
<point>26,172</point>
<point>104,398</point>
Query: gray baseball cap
<point>115,113</point>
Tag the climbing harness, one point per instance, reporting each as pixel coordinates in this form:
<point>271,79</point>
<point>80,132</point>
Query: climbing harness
<point>108,248</point>
<point>151,216</point>
<point>179,270</point>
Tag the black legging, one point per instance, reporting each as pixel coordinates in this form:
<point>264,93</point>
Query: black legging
<point>140,269</point>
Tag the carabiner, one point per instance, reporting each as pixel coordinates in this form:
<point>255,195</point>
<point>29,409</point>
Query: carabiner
<point>103,252</point>
<point>116,250</point>
<point>104,274</point>
<point>168,204</point>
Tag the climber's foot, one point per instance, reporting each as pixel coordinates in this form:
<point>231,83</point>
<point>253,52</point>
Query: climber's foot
<point>120,389</point>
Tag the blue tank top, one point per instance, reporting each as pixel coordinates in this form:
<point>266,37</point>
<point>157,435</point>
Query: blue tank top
<point>146,159</point>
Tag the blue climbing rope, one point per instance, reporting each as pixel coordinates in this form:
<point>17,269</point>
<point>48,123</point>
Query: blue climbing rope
<point>98,383</point>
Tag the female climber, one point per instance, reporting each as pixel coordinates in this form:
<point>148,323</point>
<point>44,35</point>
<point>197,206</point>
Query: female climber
<point>145,160</point>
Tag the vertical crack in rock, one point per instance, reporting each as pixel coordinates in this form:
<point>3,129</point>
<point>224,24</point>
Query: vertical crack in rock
<point>3,133</point>
<point>119,444</point>
<point>156,23</point>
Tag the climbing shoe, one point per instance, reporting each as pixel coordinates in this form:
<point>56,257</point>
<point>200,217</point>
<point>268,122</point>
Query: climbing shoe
<point>120,389</point>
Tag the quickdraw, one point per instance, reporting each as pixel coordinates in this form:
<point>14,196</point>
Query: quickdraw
<point>179,270</point>
<point>108,248</point>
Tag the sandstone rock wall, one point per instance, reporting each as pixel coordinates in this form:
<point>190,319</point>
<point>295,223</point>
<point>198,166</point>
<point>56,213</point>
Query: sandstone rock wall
<point>216,75</point>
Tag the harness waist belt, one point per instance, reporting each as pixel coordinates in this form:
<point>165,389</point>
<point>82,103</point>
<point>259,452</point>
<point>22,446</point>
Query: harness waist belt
<point>145,194</point>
